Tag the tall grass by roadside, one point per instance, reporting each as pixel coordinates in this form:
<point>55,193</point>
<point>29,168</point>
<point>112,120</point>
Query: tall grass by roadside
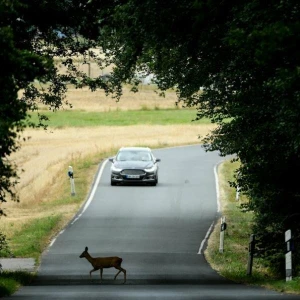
<point>76,118</point>
<point>232,263</point>
<point>11,281</point>
<point>33,238</point>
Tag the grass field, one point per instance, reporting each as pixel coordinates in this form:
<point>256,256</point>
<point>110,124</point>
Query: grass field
<point>75,118</point>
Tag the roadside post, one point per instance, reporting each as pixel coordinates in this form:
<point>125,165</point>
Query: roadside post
<point>222,232</point>
<point>237,195</point>
<point>71,176</point>
<point>250,254</point>
<point>288,255</point>
<point>89,69</point>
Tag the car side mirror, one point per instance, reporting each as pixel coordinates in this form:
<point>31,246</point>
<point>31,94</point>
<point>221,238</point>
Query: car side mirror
<point>157,160</point>
<point>111,159</point>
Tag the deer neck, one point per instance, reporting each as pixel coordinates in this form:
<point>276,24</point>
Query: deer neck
<point>89,258</point>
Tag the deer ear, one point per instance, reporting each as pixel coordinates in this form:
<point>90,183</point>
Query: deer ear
<point>86,248</point>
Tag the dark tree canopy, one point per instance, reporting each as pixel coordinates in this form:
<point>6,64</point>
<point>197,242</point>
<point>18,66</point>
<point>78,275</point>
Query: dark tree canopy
<point>30,38</point>
<point>236,61</point>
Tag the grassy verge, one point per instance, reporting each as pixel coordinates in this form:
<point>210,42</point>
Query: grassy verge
<point>232,263</point>
<point>32,239</point>
<point>11,281</point>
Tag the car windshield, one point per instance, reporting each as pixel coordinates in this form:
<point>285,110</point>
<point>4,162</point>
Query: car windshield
<point>133,156</point>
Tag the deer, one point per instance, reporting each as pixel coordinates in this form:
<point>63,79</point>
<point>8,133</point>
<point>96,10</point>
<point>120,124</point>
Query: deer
<point>100,263</point>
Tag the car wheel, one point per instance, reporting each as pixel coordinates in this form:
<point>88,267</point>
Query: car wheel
<point>155,182</point>
<point>113,183</point>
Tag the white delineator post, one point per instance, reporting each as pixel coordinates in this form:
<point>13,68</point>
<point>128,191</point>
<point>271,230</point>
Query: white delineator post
<point>288,255</point>
<point>72,182</point>
<point>223,228</point>
<point>237,195</point>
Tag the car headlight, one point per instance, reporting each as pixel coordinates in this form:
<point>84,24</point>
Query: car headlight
<point>114,169</point>
<point>150,169</point>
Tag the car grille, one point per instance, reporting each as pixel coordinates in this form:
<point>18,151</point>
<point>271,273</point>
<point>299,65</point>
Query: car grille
<point>132,172</point>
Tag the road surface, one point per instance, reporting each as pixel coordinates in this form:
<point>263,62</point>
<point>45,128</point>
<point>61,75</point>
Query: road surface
<point>160,232</point>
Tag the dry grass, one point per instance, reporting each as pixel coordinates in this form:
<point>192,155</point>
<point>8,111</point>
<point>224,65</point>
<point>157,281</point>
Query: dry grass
<point>45,155</point>
<point>86,100</point>
<point>146,97</point>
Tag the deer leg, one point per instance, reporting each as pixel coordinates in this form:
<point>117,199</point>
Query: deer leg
<point>121,270</point>
<point>101,272</point>
<point>124,271</point>
<point>95,269</point>
<point>117,274</point>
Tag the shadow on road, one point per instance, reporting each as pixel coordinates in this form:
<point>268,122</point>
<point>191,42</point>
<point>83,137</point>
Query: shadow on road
<point>84,280</point>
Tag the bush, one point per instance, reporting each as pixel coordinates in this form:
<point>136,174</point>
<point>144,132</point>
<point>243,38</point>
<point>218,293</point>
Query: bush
<point>4,248</point>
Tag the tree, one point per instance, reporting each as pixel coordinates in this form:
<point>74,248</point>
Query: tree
<point>30,40</point>
<point>236,61</point>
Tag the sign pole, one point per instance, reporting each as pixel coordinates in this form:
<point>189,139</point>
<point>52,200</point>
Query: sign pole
<point>251,253</point>
<point>223,228</point>
<point>237,195</point>
<point>72,182</point>
<point>288,255</point>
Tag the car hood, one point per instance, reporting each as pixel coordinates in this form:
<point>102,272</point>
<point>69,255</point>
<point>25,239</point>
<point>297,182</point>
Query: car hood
<point>133,164</point>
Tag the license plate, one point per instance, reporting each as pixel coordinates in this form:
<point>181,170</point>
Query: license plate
<point>133,176</point>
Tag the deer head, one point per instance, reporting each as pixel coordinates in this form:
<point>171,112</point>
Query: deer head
<point>83,254</point>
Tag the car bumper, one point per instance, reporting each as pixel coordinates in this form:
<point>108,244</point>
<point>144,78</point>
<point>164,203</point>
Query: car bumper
<point>147,178</point>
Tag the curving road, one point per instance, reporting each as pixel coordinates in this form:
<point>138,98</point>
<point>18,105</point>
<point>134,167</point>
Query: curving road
<point>158,231</point>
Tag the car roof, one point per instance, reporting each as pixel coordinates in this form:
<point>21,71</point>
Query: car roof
<point>135,149</point>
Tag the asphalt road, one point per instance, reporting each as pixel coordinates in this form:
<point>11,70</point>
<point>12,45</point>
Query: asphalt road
<point>160,232</point>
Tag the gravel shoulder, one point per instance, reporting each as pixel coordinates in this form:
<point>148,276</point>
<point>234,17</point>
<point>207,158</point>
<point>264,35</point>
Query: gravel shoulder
<point>17,264</point>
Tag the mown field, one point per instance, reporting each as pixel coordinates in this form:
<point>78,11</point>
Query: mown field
<point>143,116</point>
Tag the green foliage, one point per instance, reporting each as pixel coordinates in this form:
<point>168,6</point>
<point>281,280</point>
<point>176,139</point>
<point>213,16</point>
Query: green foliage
<point>11,281</point>
<point>32,34</point>
<point>4,248</point>
<point>232,263</point>
<point>32,239</point>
